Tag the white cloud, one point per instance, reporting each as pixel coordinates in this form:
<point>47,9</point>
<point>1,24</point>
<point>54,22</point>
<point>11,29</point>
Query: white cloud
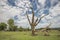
<point>7,12</point>
<point>56,10</point>
<point>41,1</point>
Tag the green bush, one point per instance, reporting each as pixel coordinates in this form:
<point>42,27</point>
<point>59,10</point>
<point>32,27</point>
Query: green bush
<point>3,26</point>
<point>20,29</point>
<point>13,28</point>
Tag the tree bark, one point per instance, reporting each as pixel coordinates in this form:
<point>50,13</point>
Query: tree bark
<point>33,30</point>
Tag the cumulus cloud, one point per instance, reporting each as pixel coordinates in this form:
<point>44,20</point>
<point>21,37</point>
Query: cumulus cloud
<point>9,11</point>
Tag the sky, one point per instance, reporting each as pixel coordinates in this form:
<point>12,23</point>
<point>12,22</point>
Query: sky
<point>16,9</point>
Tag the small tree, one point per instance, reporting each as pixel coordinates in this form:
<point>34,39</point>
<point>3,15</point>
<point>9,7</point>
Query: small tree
<point>15,28</point>
<point>11,24</point>
<point>3,26</point>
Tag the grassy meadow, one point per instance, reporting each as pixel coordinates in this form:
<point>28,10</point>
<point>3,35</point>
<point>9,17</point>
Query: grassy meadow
<point>26,35</point>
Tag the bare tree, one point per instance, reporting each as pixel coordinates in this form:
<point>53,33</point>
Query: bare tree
<point>33,23</point>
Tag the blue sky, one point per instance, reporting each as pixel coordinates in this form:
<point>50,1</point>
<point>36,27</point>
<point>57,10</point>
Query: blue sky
<point>34,4</point>
<point>11,2</point>
<point>17,9</point>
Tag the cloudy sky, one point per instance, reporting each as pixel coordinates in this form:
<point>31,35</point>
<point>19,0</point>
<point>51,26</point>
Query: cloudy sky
<point>17,9</point>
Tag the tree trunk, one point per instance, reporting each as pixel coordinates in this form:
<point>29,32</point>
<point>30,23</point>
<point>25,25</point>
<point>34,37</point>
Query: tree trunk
<point>33,30</point>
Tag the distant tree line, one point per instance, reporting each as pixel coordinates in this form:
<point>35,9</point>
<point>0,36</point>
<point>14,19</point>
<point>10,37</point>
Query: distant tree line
<point>11,26</point>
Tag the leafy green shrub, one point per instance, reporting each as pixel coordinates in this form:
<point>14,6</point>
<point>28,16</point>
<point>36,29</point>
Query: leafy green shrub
<point>20,29</point>
<point>3,26</point>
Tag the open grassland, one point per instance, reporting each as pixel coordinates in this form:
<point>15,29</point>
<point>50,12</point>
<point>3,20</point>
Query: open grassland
<point>26,35</point>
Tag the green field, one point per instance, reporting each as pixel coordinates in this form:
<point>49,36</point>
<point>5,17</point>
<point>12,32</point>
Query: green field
<point>26,35</point>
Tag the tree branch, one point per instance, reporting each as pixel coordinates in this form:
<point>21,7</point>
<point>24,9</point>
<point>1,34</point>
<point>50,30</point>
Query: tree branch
<point>32,16</point>
<point>40,19</point>
<point>36,20</point>
<point>48,25</point>
<point>28,18</point>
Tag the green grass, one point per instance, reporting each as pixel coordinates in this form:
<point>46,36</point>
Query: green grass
<point>27,36</point>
